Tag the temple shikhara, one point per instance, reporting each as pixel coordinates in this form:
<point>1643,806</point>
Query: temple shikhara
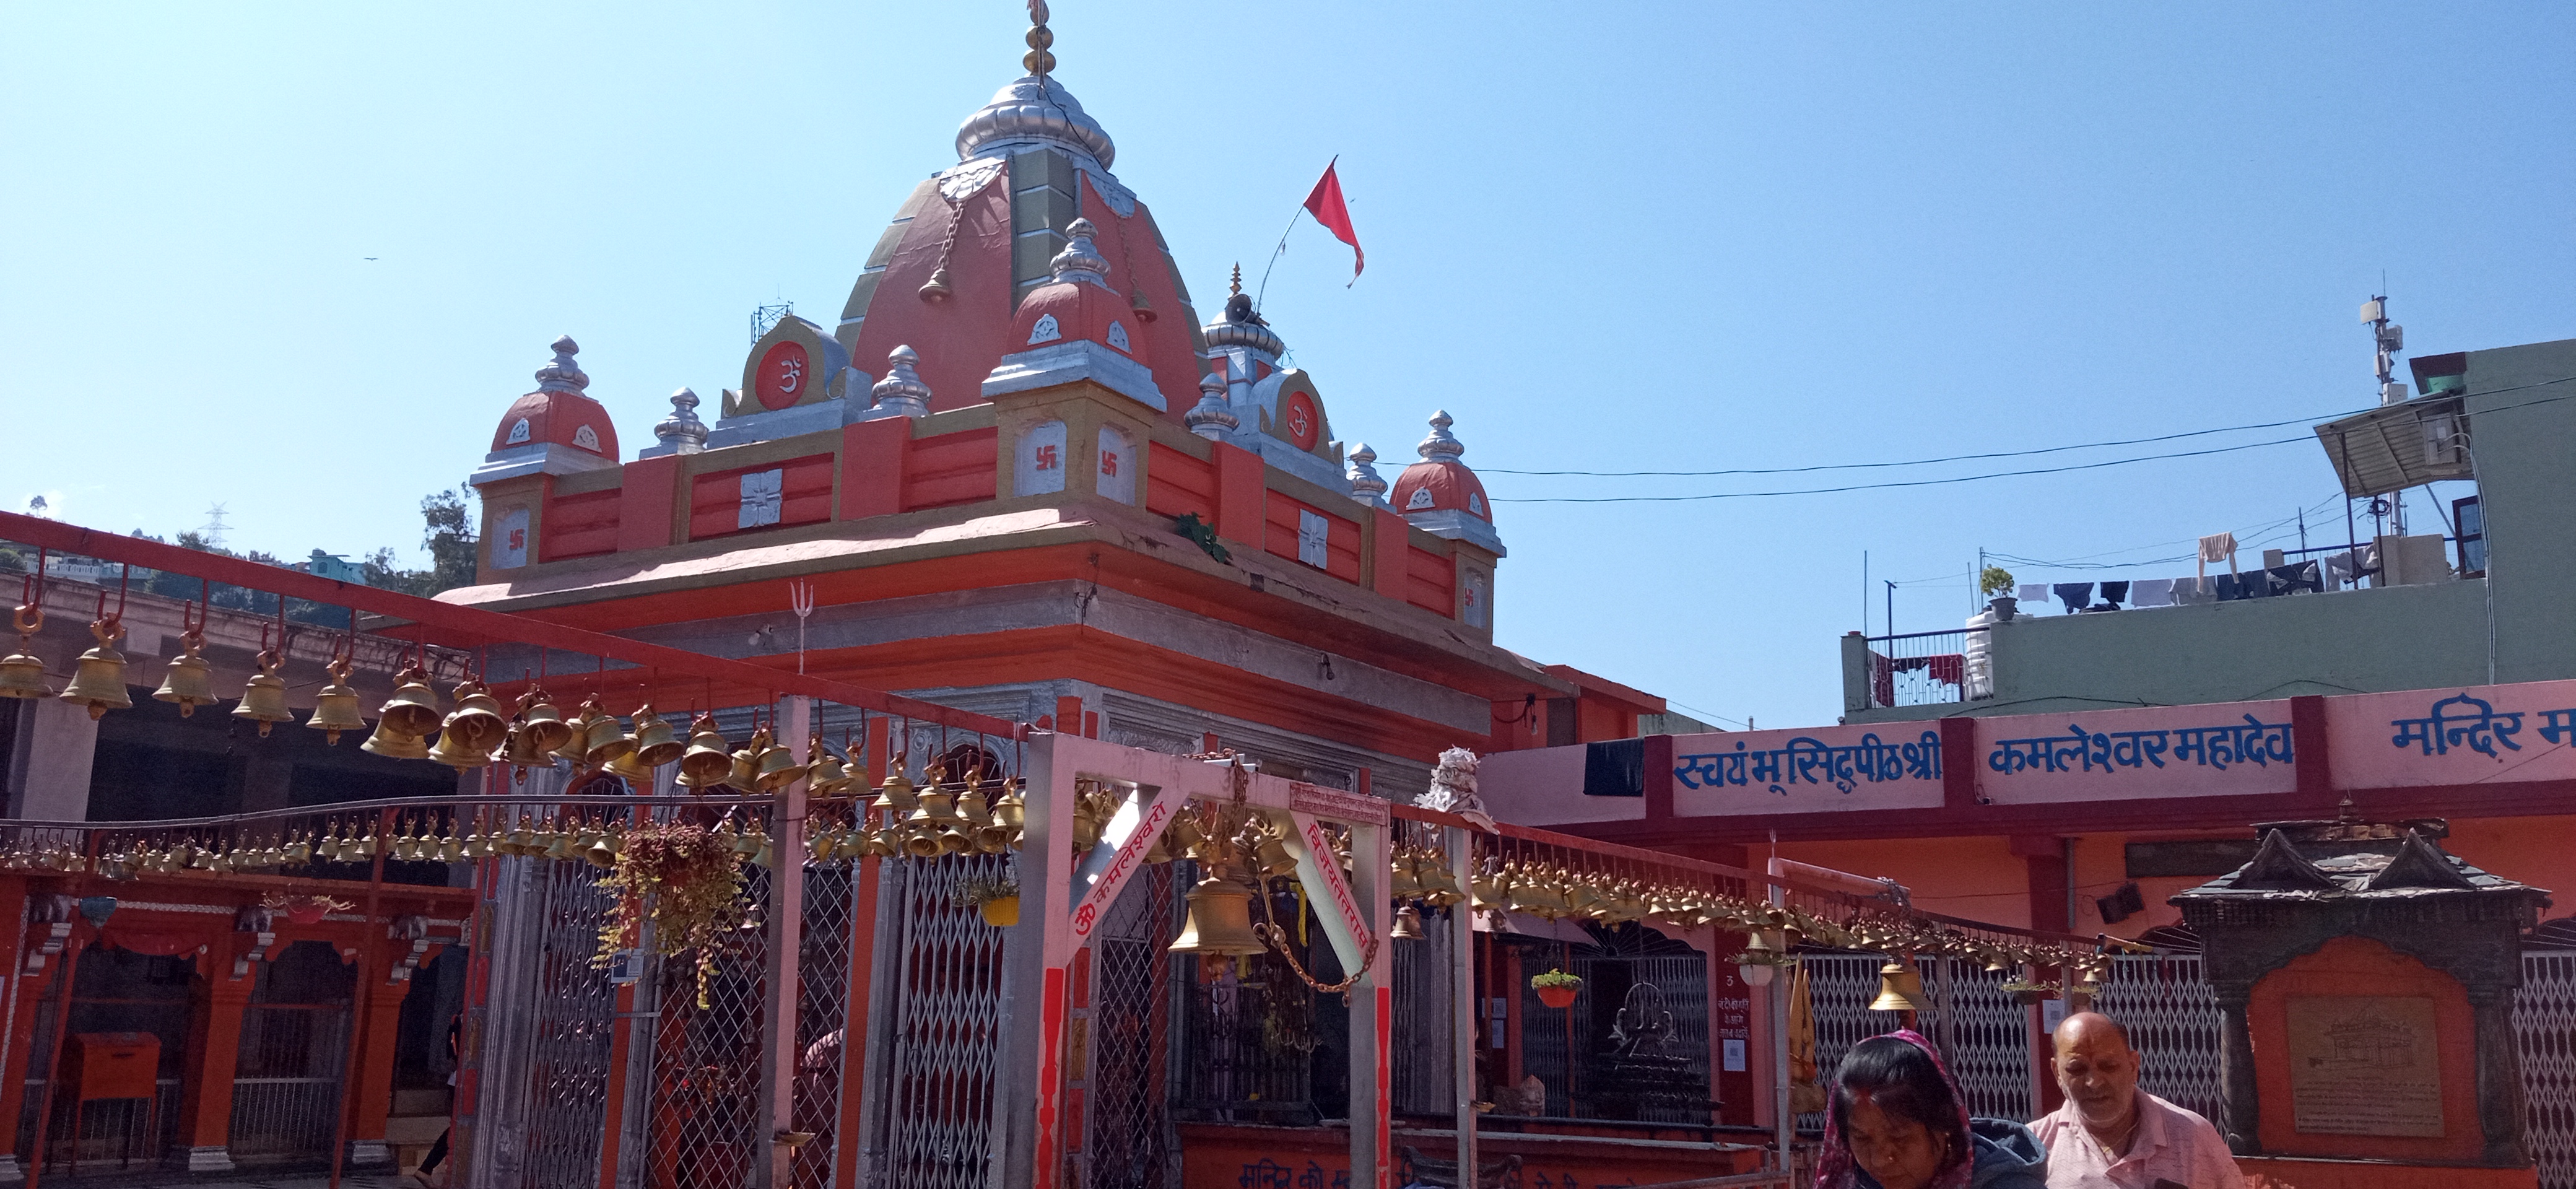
<point>1012,742</point>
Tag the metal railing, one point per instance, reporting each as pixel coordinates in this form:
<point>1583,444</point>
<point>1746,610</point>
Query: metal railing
<point>1921,668</point>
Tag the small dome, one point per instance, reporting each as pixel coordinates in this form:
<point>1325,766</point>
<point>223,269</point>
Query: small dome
<point>1078,304</point>
<point>1441,483</point>
<point>1034,110</point>
<point>559,412</point>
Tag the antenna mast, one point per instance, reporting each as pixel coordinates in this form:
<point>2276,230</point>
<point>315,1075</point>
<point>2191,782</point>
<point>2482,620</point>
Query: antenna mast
<point>2387,338</point>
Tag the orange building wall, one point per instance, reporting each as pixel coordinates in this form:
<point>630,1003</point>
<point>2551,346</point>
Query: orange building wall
<point>1976,878</point>
<point>2360,966</point>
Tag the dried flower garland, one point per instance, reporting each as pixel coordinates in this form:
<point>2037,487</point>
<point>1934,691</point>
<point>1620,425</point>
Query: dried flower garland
<point>687,880</point>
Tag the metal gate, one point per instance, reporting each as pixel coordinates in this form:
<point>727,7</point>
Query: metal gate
<point>1635,1043</point>
<point>822,1016</point>
<point>945,1005</point>
<point>2165,1002</point>
<point>294,1047</point>
<point>574,1026</point>
<point>706,1083</point>
<point>1129,1138</point>
<point>2544,1025</point>
<point>1421,1076</point>
<point>1983,1034</point>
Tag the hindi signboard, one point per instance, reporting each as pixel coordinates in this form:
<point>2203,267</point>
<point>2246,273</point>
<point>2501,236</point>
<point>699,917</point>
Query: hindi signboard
<point>2481,734</point>
<point>1823,768</point>
<point>2222,750</point>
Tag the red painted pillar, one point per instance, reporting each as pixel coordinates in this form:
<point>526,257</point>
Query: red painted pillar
<point>25,992</point>
<point>214,1049</point>
<point>1239,494</point>
<point>375,1096</point>
<point>2046,858</point>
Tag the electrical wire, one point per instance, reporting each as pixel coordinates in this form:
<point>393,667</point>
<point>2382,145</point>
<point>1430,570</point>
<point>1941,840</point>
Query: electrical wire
<point>1740,495</point>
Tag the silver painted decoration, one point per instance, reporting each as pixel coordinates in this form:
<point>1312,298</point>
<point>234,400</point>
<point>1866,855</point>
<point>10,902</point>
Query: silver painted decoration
<point>682,430</point>
<point>1034,111</point>
<point>1210,418</point>
<point>1081,260</point>
<point>561,374</point>
<point>1441,445</point>
<point>902,391</point>
<point>1366,483</point>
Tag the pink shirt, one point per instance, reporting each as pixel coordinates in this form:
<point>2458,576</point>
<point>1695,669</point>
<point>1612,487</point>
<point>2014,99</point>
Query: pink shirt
<point>2172,1144</point>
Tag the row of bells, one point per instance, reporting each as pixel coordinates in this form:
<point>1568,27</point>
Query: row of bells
<point>598,845</point>
<point>925,823</point>
<point>98,685</point>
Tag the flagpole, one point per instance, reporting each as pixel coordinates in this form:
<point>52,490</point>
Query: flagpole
<point>1263,289</point>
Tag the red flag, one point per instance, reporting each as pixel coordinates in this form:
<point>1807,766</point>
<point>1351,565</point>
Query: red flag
<point>1327,207</point>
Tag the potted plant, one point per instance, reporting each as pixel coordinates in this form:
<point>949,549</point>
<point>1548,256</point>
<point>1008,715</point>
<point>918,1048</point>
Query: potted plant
<point>684,878</point>
<point>1996,583</point>
<point>995,897</point>
<point>1556,988</point>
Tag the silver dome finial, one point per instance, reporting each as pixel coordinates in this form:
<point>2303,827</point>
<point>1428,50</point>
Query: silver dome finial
<point>682,431</point>
<point>561,374</point>
<point>1366,483</point>
<point>1210,418</point>
<point>1080,260</point>
<point>1441,445</point>
<point>902,391</point>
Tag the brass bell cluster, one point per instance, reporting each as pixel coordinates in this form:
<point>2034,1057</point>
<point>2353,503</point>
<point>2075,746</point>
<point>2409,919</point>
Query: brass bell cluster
<point>1420,873</point>
<point>977,816</point>
<point>1228,844</point>
<point>45,856</point>
<point>1094,804</point>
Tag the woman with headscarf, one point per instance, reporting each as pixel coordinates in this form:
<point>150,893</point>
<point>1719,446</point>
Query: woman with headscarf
<point>1896,1120</point>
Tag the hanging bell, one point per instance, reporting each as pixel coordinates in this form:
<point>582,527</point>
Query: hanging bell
<point>335,709</point>
<point>454,751</point>
<point>604,739</point>
<point>1405,883</point>
<point>1143,309</point>
<point>189,681</point>
<point>931,823</point>
<point>602,852</point>
<point>22,675</point>
<point>521,748</point>
<point>393,744</point>
<point>895,797</point>
<point>100,683</point>
<point>542,723</point>
<point>1220,921</point>
<point>413,710</point>
<point>708,761</point>
<point>450,849</point>
<point>576,746</point>
<point>1408,924</point>
<point>824,774</point>
<point>775,769</point>
<point>560,847</point>
<point>1000,830</point>
<point>632,769</point>
<point>1899,989</point>
<point>263,700</point>
<point>656,743</point>
<point>936,289</point>
<point>478,717</point>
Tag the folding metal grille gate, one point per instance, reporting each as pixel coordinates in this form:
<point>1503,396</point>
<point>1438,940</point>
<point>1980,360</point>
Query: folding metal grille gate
<point>822,1017</point>
<point>945,1009</point>
<point>1129,1141</point>
<point>2544,1024</point>
<point>575,1010</point>
<point>1421,1074</point>
<point>706,1064</point>
<point>1570,1050</point>
<point>2165,1002</point>
<point>1984,1035</point>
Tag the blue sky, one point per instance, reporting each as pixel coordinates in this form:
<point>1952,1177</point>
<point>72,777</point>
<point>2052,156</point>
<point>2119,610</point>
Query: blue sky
<point>1617,237</point>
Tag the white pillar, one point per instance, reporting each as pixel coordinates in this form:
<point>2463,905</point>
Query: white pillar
<point>48,772</point>
<point>786,936</point>
<point>1372,1014</point>
<point>1462,997</point>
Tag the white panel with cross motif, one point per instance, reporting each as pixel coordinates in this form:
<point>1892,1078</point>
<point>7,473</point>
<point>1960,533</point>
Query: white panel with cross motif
<point>1117,467</point>
<point>1037,466</point>
<point>1472,596</point>
<point>1314,539</point>
<point>762,494</point>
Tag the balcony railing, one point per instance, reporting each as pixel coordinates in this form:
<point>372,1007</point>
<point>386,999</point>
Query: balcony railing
<point>1927,668</point>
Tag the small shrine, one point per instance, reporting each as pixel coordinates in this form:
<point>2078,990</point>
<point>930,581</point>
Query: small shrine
<point>2366,980</point>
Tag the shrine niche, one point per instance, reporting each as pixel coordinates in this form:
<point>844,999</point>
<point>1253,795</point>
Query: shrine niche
<point>2366,979</point>
<point>795,363</point>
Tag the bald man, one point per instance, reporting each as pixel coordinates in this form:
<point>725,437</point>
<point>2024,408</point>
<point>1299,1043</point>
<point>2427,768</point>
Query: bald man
<point>2112,1135</point>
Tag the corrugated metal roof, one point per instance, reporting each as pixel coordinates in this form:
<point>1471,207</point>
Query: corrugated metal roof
<point>2386,449</point>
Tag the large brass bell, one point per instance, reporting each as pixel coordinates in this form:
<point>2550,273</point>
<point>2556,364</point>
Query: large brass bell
<point>1899,989</point>
<point>478,718</point>
<point>263,700</point>
<point>1408,924</point>
<point>632,769</point>
<point>413,710</point>
<point>576,746</point>
<point>522,749</point>
<point>335,709</point>
<point>189,681</point>
<point>603,851</point>
<point>775,768</point>
<point>100,683</point>
<point>1001,829</point>
<point>824,775</point>
<point>23,675</point>
<point>1220,921</point>
<point>656,743</point>
<point>456,752</point>
<point>393,744</point>
<point>707,761</point>
<point>543,725</point>
<point>895,796</point>
<point>604,740</point>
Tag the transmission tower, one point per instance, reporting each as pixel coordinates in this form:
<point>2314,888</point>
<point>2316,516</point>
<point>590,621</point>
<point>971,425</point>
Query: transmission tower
<point>213,529</point>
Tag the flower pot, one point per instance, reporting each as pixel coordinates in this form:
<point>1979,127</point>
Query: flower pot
<point>2004,607</point>
<point>1557,996</point>
<point>1001,913</point>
